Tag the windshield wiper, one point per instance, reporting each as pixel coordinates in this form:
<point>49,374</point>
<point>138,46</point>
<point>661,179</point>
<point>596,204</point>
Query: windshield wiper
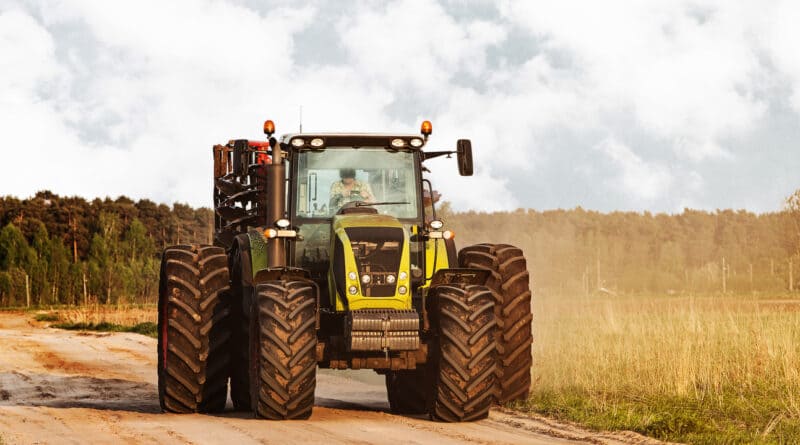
<point>385,203</point>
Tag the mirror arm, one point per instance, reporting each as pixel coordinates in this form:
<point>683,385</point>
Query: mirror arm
<point>435,154</point>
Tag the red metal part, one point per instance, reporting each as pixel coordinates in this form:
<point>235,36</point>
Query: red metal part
<point>261,158</point>
<point>259,144</point>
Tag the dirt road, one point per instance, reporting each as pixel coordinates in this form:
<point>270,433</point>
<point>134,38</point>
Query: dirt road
<point>75,388</point>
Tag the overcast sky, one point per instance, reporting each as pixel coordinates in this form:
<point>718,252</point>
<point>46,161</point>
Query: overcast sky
<point>612,105</point>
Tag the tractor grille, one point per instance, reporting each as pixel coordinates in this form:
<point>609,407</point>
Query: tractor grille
<point>377,251</point>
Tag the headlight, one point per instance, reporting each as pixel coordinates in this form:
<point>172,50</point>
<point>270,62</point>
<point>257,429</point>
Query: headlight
<point>298,142</point>
<point>402,290</point>
<point>416,142</point>
<point>282,223</point>
<point>390,279</point>
<point>317,142</point>
<point>403,275</point>
<point>352,276</point>
<point>365,279</point>
<point>436,224</point>
<point>398,143</point>
<point>353,290</point>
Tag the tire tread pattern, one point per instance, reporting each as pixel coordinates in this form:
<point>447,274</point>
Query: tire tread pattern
<point>283,342</point>
<point>463,366</point>
<point>510,281</point>
<point>193,329</point>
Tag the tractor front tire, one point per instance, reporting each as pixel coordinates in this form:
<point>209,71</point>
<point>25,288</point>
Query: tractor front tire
<point>510,282</point>
<point>407,391</point>
<point>283,348</point>
<point>193,331</point>
<point>463,363</point>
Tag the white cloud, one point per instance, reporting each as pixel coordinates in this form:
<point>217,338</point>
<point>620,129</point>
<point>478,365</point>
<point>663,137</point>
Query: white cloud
<point>636,178</point>
<point>127,98</point>
<point>685,69</point>
<point>779,39</point>
<point>415,43</point>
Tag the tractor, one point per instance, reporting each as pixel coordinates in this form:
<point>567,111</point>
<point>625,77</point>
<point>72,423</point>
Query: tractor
<point>328,253</point>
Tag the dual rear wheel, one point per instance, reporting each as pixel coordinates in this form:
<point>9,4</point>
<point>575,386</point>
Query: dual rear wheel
<point>417,391</point>
<point>274,373</point>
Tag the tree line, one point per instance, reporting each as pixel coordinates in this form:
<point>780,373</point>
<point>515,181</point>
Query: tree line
<point>582,251</point>
<point>67,250</point>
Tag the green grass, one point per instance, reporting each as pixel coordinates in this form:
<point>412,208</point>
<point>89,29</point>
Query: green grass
<point>693,370</point>
<point>49,316</point>
<point>737,418</point>
<point>147,328</point>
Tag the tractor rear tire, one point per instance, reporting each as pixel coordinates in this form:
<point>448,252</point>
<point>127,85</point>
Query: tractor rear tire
<point>408,391</point>
<point>241,297</point>
<point>283,350</point>
<point>193,310</point>
<point>510,281</point>
<point>463,364</point>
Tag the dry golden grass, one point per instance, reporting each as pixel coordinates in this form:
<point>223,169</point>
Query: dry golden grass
<point>691,369</point>
<point>123,315</point>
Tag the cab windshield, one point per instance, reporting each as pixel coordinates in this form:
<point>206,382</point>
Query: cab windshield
<point>329,179</point>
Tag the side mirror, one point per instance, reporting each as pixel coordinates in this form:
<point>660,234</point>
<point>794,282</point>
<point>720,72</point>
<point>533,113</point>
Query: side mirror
<point>464,156</point>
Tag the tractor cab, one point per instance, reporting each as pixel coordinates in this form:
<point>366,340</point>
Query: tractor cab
<point>366,190</point>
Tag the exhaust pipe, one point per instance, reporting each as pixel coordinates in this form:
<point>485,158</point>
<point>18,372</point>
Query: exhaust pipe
<point>276,206</point>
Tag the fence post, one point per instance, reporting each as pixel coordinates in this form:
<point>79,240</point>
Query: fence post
<point>85,297</point>
<point>27,291</point>
<point>724,277</point>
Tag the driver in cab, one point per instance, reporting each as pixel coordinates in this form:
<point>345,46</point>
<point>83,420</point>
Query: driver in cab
<point>349,189</point>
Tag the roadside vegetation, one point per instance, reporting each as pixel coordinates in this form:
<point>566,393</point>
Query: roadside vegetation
<point>139,319</point>
<point>694,370</point>
<point>147,328</point>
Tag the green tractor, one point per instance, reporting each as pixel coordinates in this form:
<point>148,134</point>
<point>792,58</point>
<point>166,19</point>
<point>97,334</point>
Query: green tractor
<point>328,254</point>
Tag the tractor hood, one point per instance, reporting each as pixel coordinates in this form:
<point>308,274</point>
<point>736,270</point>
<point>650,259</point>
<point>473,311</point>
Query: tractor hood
<point>371,262</point>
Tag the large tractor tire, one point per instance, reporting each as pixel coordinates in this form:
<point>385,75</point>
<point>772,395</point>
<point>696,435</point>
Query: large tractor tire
<point>408,391</point>
<point>193,331</point>
<point>510,281</point>
<point>283,348</point>
<point>464,359</point>
<point>241,298</point>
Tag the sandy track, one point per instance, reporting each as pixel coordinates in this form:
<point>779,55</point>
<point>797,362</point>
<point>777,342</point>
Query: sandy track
<point>75,388</point>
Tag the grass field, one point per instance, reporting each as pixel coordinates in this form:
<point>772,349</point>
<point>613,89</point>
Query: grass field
<point>126,315</point>
<point>123,318</point>
<point>697,370</point>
